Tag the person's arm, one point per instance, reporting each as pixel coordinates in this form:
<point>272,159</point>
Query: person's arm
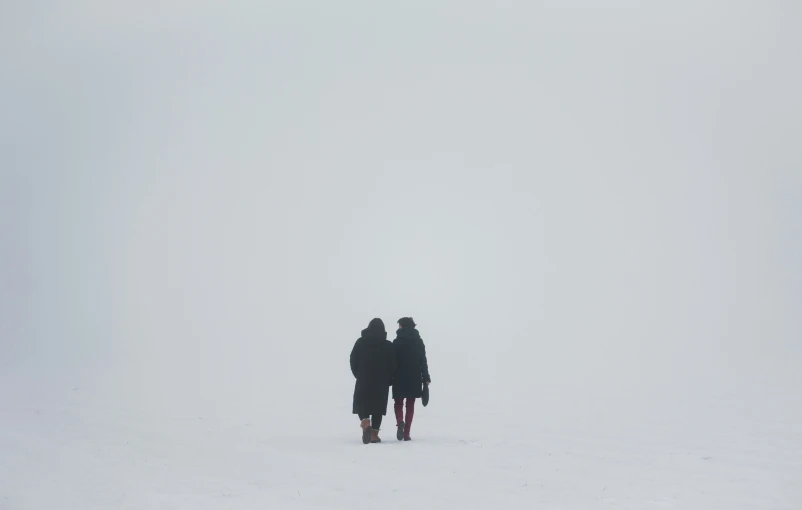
<point>424,363</point>
<point>355,358</point>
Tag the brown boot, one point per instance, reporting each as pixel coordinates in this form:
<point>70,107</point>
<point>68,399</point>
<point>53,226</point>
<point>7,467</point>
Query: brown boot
<point>366,431</point>
<point>374,436</point>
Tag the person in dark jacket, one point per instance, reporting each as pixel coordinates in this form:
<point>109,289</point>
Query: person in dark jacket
<point>373,363</point>
<point>413,372</point>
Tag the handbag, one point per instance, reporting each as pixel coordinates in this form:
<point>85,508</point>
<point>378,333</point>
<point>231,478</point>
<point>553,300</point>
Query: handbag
<point>425,395</point>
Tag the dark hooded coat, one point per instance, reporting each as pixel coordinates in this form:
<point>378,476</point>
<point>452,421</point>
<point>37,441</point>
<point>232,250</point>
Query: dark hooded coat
<point>373,363</point>
<point>413,367</point>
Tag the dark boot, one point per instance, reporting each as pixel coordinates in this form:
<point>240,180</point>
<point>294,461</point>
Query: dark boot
<point>399,434</point>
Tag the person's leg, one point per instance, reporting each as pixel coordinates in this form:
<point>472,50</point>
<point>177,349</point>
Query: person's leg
<point>374,433</point>
<point>399,418</point>
<point>399,411</point>
<point>410,415</point>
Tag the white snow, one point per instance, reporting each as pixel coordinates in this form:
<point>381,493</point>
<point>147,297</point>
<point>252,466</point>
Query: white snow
<point>68,448</point>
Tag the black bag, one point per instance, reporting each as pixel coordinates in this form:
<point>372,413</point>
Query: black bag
<point>425,396</point>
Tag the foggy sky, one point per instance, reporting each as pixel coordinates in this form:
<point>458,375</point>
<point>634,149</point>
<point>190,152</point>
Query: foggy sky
<point>602,192</point>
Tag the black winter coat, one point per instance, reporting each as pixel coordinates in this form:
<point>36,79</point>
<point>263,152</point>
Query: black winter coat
<point>413,368</point>
<point>373,364</point>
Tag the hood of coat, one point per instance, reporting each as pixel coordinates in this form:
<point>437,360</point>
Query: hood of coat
<point>375,330</point>
<point>373,334</point>
<point>407,333</point>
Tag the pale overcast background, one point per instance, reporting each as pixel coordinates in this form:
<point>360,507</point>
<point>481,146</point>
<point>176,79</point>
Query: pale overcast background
<point>203,203</point>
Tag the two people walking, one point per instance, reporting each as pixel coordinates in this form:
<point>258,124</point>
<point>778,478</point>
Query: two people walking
<point>378,364</point>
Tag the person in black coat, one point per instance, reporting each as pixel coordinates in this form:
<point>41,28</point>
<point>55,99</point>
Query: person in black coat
<point>413,372</point>
<point>373,363</point>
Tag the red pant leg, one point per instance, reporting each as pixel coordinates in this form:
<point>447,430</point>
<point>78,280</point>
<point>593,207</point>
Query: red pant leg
<point>410,415</point>
<point>399,412</point>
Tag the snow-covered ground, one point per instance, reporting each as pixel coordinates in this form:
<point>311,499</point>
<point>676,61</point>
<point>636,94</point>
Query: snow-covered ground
<point>68,448</point>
